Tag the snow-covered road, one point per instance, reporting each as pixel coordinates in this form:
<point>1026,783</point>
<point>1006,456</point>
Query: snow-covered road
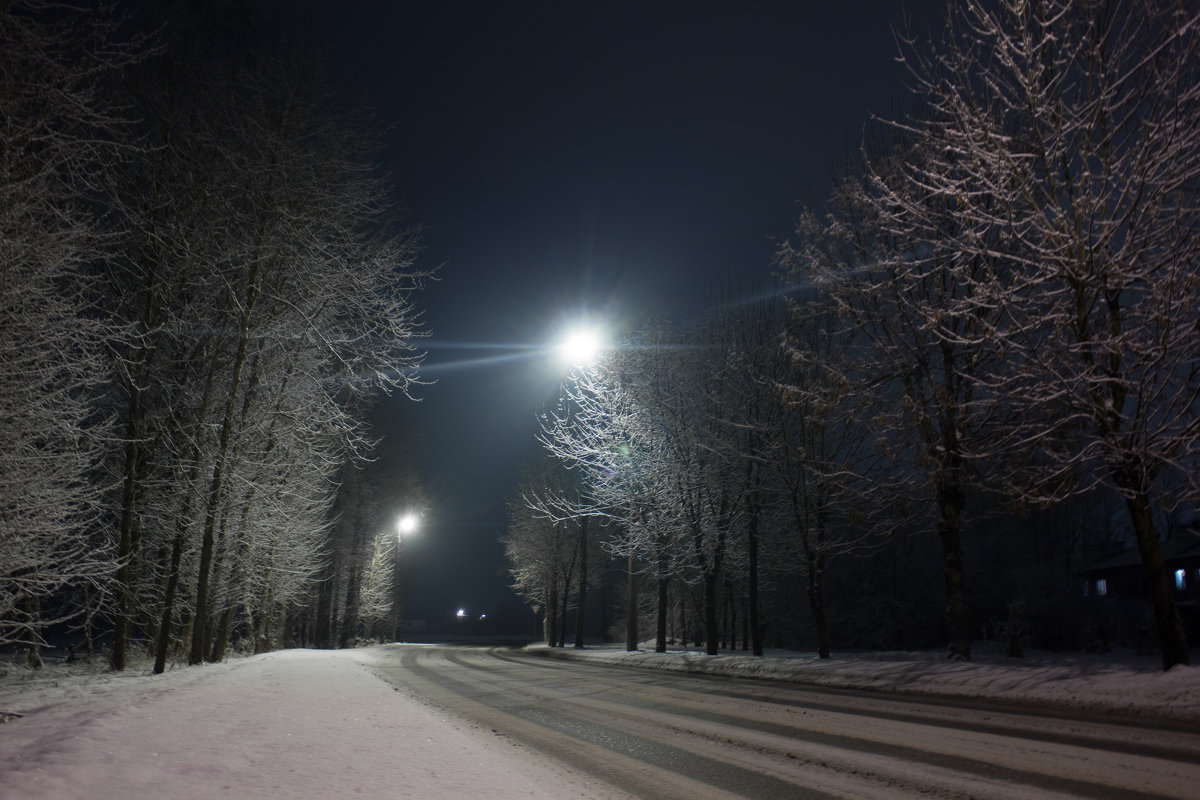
<point>438,721</point>
<point>666,735</point>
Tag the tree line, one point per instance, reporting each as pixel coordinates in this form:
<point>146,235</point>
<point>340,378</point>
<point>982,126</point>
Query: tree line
<point>204,280</point>
<point>988,351</point>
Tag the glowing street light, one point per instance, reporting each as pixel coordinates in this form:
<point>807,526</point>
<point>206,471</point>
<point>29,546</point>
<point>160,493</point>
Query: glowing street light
<point>581,346</point>
<point>406,524</point>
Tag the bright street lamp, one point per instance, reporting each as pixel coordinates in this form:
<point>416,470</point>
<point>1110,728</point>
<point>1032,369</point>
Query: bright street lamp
<point>581,346</point>
<point>406,524</point>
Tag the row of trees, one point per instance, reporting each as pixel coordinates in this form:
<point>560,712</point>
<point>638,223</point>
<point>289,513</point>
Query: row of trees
<point>996,315</point>
<point>203,282</point>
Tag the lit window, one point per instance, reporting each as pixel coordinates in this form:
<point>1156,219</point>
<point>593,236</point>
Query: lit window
<point>1181,579</point>
<point>1102,587</point>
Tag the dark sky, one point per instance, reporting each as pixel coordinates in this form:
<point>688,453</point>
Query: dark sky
<point>564,159</point>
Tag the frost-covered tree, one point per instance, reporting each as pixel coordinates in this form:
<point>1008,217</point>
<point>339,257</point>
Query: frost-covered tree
<point>699,484</point>
<point>784,425</point>
<point>545,547</point>
<point>745,384</point>
<point>378,591</point>
<point>639,426</point>
<point>598,430</point>
<point>604,429</point>
<point>551,493</point>
<point>1065,136</point>
<point>888,258</point>
<point>270,291</point>
<point>817,455</point>
<point>59,138</point>
<point>363,556</point>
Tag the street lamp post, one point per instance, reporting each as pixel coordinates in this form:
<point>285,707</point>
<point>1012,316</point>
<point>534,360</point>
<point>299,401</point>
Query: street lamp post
<point>582,347</point>
<point>405,526</point>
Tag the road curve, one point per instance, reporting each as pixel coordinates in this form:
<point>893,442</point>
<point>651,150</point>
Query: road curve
<point>659,735</point>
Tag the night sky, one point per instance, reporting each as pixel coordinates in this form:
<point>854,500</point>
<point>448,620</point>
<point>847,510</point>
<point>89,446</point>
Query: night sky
<point>564,159</point>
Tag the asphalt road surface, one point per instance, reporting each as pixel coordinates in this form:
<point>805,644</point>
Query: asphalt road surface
<point>666,735</point>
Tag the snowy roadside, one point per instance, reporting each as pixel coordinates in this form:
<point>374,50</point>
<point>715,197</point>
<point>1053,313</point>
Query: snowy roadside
<point>290,724</point>
<point>1107,684</point>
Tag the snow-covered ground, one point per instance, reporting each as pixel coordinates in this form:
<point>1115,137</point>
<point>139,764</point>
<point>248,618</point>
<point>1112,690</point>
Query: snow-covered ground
<point>292,724</point>
<point>319,724</point>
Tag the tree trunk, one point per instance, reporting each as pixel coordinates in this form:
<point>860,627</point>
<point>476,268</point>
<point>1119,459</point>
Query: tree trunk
<point>218,633</point>
<point>222,638</point>
<point>752,556</point>
<point>607,603</point>
<point>168,610</point>
<point>208,542</point>
<point>264,625</point>
<point>207,545</point>
<point>683,632</point>
<point>551,622</point>
<point>580,617</point>
<point>321,626</point>
<point>349,627</point>
<point>631,605</point>
<point>127,545</point>
<point>660,633</point>
<point>712,630</point>
<point>731,615</point>
<point>562,612</point>
<point>124,590</point>
<point>1172,638</point>
<point>951,502</point>
<point>816,601</point>
<point>397,592</point>
<point>31,610</point>
<point>185,627</point>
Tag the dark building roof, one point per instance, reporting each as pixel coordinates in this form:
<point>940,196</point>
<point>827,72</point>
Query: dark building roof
<point>1183,545</point>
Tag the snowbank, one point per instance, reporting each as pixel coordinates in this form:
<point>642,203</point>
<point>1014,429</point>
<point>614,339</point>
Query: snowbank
<point>1108,683</point>
<point>294,724</point>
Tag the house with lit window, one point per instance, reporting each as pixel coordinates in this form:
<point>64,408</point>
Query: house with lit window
<point>1115,589</point>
